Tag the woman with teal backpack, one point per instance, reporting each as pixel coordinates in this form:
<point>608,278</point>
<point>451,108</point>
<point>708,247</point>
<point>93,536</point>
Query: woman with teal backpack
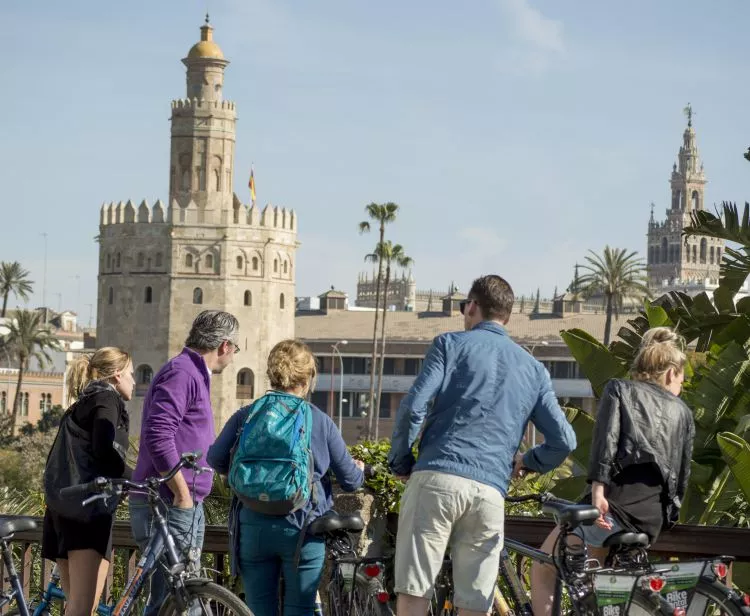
<point>276,453</point>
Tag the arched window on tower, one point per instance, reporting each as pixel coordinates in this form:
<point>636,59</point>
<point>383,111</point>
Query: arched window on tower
<point>188,260</point>
<point>695,254</point>
<point>676,200</point>
<point>275,266</point>
<point>718,255</point>
<point>245,384</point>
<point>148,295</point>
<point>711,255</point>
<point>141,259</point>
<point>704,247</point>
<point>286,267</point>
<point>109,261</point>
<point>248,298</point>
<point>281,301</point>
<point>197,295</point>
<point>696,200</point>
<point>210,261</point>
<point>664,249</point>
<point>110,296</point>
<point>255,264</point>
<point>240,263</point>
<point>217,180</point>
<point>117,261</point>
<point>185,185</point>
<point>158,259</point>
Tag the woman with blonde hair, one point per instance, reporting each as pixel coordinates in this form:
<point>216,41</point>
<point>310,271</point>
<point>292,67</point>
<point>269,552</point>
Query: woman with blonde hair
<point>640,454</point>
<point>262,544</point>
<point>94,431</point>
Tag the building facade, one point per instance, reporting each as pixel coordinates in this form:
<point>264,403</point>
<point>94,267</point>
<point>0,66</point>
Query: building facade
<point>408,338</point>
<point>674,262</point>
<point>160,265</point>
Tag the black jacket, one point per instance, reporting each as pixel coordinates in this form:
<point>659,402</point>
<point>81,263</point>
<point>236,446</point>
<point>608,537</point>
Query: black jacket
<point>100,410</point>
<point>639,422</point>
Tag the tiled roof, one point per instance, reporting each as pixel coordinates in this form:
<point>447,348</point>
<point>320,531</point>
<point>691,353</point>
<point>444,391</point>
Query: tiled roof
<point>400,325</point>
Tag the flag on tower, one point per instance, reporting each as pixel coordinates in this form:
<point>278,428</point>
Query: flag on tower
<point>251,184</point>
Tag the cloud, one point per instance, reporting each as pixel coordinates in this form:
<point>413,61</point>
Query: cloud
<point>537,38</point>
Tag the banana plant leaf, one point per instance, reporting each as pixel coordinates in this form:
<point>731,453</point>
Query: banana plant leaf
<point>596,361</point>
<point>736,452</point>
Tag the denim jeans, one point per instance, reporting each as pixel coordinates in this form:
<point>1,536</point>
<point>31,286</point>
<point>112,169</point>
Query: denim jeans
<point>267,549</point>
<point>187,527</point>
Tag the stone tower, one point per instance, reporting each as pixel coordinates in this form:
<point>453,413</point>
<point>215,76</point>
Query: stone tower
<point>674,263</point>
<point>160,266</point>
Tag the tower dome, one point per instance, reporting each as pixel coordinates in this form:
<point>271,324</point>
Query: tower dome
<point>206,47</point>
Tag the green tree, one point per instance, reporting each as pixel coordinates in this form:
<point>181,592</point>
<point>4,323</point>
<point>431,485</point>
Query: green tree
<point>29,337</point>
<point>381,214</point>
<point>13,279</point>
<point>390,254</point>
<point>616,274</point>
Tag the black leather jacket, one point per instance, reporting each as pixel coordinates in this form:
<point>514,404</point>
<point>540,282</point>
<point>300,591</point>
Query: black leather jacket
<point>640,422</point>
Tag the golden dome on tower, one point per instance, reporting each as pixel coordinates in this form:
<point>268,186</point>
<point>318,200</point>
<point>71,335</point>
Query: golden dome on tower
<point>206,47</point>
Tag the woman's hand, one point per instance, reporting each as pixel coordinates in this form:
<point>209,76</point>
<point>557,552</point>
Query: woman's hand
<point>599,501</point>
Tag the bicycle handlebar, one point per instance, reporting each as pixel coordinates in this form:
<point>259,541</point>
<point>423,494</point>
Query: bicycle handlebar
<point>104,487</point>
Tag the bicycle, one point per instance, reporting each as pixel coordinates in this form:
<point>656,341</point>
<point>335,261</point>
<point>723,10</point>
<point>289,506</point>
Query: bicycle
<point>627,583</point>
<point>185,590</point>
<point>356,584</point>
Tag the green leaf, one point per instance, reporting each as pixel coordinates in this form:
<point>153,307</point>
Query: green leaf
<point>736,452</point>
<point>657,316</point>
<point>597,362</point>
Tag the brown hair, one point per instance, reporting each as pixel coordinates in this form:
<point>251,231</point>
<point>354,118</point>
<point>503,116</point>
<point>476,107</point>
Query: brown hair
<point>100,365</point>
<point>291,365</point>
<point>661,349</point>
<point>494,297</point>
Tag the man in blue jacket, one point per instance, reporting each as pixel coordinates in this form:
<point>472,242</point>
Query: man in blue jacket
<point>475,395</point>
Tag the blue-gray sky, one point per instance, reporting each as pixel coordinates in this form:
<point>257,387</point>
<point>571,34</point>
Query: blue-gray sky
<point>515,134</point>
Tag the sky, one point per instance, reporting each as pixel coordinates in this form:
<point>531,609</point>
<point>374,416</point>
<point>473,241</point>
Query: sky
<point>516,135</point>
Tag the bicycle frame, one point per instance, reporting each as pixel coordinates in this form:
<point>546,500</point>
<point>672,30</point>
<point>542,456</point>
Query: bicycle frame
<point>160,542</point>
<point>16,590</point>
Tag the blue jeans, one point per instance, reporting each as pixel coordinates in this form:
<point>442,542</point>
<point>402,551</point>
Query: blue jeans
<point>187,527</point>
<point>267,549</point>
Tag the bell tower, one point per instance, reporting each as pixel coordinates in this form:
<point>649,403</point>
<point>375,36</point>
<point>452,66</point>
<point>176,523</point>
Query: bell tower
<point>203,133</point>
<point>673,262</point>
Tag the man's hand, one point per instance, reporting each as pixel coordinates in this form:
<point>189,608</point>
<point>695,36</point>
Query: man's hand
<point>518,468</point>
<point>359,464</point>
<point>183,502</point>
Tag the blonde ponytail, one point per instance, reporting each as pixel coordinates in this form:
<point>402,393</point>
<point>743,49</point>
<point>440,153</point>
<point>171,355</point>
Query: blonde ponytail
<point>103,364</point>
<point>661,349</point>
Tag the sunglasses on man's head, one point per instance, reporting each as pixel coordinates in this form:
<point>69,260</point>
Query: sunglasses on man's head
<point>462,305</point>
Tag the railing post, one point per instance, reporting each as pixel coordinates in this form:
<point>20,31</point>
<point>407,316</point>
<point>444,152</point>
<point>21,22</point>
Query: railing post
<point>27,568</point>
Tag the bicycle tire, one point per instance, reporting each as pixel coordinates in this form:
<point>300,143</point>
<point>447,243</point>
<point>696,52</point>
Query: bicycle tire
<point>715,594</point>
<point>365,601</point>
<point>203,589</point>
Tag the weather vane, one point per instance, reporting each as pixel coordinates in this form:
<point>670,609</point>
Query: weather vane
<point>688,111</point>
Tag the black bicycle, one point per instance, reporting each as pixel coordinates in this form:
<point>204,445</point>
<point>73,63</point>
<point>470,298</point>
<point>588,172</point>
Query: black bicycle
<point>186,591</point>
<point>356,584</point>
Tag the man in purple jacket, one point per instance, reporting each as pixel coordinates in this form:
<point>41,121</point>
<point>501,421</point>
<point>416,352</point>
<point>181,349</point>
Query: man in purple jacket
<point>177,418</point>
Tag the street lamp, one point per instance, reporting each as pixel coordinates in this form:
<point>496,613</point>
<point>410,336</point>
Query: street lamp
<point>335,348</point>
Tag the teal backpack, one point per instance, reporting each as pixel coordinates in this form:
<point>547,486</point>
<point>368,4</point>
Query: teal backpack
<point>272,465</point>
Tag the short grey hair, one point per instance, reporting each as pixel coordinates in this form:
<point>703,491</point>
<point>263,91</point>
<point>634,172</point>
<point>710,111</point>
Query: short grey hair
<point>210,328</point>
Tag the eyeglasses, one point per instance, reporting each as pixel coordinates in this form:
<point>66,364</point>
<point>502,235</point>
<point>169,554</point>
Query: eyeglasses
<point>234,344</point>
<point>462,305</point>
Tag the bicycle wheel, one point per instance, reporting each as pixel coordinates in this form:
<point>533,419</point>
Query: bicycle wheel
<point>208,599</point>
<point>366,602</point>
<point>712,599</point>
<point>644,605</point>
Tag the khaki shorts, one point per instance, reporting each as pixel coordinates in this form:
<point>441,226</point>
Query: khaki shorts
<point>440,510</point>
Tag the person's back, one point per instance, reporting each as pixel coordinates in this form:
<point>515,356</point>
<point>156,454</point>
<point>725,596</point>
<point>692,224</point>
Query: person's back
<point>478,391</point>
<point>491,389</point>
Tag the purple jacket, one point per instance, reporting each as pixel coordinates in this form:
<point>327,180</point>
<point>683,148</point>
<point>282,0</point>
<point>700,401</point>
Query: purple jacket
<point>177,418</point>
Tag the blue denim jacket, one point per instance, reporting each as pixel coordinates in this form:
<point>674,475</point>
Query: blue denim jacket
<point>476,393</point>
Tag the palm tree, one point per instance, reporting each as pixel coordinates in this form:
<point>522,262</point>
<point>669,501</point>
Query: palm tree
<point>387,253</point>
<point>616,274</point>
<point>29,337</point>
<point>382,214</point>
<point>13,279</point>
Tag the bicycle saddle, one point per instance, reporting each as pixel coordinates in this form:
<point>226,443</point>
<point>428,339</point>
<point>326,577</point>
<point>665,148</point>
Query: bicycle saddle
<point>332,521</point>
<point>636,540</point>
<point>571,514</point>
<point>15,525</point>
